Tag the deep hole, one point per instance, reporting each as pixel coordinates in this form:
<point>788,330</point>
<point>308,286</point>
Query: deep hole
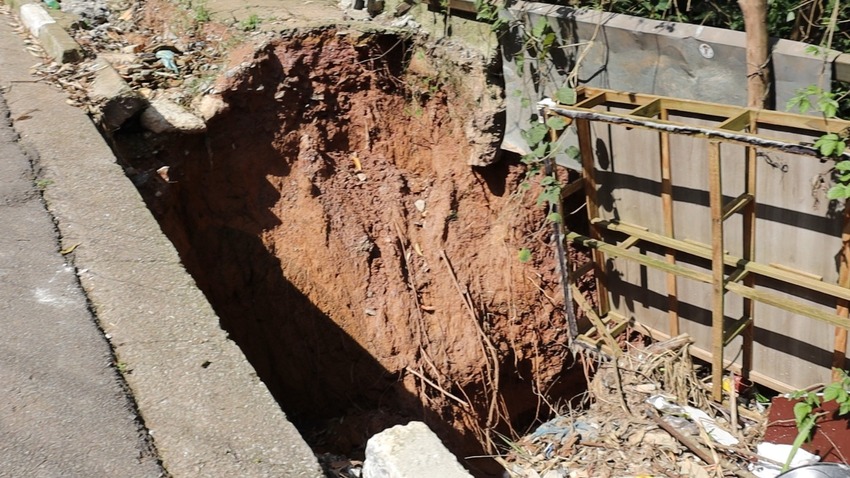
<point>331,279</point>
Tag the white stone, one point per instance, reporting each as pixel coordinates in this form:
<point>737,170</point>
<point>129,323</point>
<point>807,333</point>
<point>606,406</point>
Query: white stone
<point>210,106</point>
<point>165,116</point>
<point>420,205</point>
<point>410,451</point>
<point>33,16</point>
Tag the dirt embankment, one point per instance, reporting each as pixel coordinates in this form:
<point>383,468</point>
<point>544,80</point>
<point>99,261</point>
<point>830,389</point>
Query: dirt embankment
<point>369,272</point>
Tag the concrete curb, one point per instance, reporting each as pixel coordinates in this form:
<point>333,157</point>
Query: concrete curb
<point>207,411</point>
<point>53,38</point>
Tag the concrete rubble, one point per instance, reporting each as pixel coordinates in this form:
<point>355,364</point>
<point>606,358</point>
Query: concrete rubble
<point>165,116</point>
<point>409,451</point>
<point>118,101</point>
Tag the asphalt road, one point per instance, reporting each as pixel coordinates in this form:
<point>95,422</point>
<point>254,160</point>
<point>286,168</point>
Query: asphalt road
<point>63,408</point>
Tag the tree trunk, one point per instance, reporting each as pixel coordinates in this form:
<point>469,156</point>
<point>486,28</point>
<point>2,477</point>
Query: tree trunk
<point>758,69</point>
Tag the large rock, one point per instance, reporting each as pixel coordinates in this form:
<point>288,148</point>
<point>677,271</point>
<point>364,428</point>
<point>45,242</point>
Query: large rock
<point>165,116</point>
<point>409,451</point>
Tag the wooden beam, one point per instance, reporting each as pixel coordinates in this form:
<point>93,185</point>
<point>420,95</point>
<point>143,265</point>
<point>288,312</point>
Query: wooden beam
<point>744,139</point>
<point>737,204</point>
<point>738,122</point>
<point>790,305</point>
<point>669,229</point>
<point>588,168</point>
<point>748,214</point>
<point>703,251</point>
<point>765,297</point>
<point>617,251</point>
<point>601,328</point>
<point>596,98</point>
<point>796,271</point>
<point>629,242</point>
<point>839,349</point>
<point>715,201</point>
<point>765,117</point>
<point>573,187</point>
<point>737,328</point>
<point>649,110</point>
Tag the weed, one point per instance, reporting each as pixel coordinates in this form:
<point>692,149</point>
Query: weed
<point>251,23</point>
<point>42,184</point>
<point>202,13</point>
<point>806,416</point>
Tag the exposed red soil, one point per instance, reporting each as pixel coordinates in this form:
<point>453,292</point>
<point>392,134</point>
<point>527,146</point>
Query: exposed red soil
<point>336,285</point>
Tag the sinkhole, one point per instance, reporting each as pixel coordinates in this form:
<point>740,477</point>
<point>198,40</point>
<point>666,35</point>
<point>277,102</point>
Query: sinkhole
<point>347,217</point>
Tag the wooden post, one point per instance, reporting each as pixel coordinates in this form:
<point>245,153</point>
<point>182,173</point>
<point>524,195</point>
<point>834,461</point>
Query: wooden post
<point>758,70</point>
<point>588,167</point>
<point>715,199</point>
<point>839,350</point>
<point>749,252</point>
<point>667,209</point>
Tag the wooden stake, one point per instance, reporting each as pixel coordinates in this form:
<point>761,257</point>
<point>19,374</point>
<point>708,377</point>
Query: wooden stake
<point>717,283</point>
<point>667,208</point>
<point>588,173</point>
<point>839,350</point>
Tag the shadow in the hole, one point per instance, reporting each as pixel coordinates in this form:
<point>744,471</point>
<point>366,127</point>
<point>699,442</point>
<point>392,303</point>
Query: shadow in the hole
<point>220,205</point>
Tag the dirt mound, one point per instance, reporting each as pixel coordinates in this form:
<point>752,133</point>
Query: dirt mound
<point>370,274</point>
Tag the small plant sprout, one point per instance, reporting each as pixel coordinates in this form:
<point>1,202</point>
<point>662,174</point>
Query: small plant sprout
<point>251,23</point>
<point>806,414</point>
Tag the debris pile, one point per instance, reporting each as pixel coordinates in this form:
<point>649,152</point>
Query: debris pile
<point>647,414</point>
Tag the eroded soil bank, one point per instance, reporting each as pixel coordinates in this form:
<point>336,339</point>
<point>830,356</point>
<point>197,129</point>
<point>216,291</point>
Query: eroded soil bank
<point>332,215</point>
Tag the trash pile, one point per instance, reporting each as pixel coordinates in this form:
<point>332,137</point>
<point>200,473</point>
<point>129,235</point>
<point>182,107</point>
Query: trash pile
<point>648,415</point>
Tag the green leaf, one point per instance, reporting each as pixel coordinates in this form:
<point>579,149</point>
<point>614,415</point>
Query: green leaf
<point>839,191</point>
<point>844,408</point>
<point>540,151</point>
<point>549,195</point>
<point>831,392</point>
<point>844,178</point>
<point>548,181</point>
<point>573,152</point>
<point>554,217</point>
<point>566,96</point>
<point>557,123</point>
<point>549,40</point>
<point>826,144</point>
<point>801,411</point>
<point>524,255</point>
<point>840,146</point>
<point>843,166</point>
<point>790,16</point>
<point>535,134</point>
<point>525,186</point>
<point>539,27</point>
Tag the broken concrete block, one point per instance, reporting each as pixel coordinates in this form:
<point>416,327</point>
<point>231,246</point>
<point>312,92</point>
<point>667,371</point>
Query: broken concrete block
<point>165,116</point>
<point>33,16</point>
<point>209,106</point>
<point>52,37</point>
<point>58,44</point>
<point>409,451</point>
<point>119,101</point>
